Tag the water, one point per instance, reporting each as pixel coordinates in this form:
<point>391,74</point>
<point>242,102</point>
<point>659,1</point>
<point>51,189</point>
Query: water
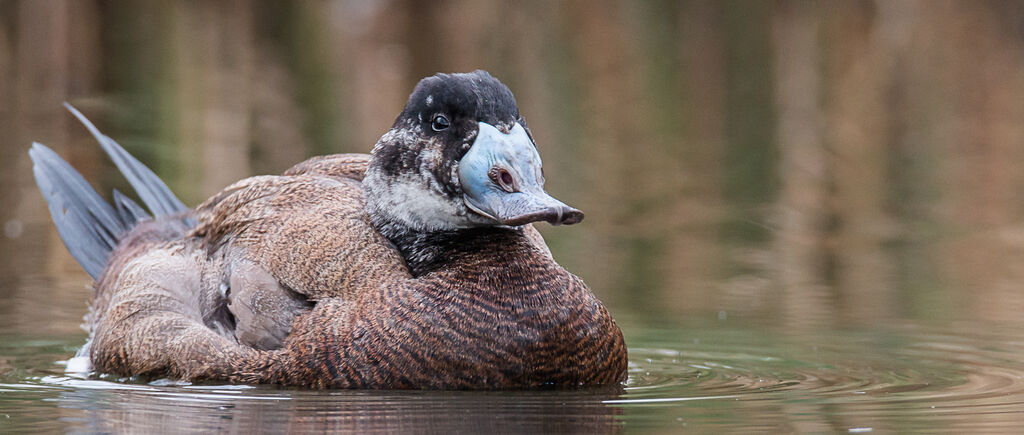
<point>719,372</point>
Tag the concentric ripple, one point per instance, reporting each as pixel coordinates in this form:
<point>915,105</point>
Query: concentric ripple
<point>893,380</point>
<point>898,379</point>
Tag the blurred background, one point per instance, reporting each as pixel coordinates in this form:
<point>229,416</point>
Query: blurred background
<point>809,163</point>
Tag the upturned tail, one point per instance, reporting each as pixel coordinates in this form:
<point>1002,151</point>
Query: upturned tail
<point>88,225</point>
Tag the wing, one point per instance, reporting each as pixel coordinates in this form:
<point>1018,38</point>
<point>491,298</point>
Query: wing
<point>310,232</point>
<point>292,239</point>
<point>195,307</point>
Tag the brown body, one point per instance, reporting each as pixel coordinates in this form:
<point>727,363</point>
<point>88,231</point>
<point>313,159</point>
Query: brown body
<point>284,280</point>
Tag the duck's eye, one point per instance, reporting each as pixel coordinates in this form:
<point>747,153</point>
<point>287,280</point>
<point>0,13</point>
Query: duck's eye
<point>440,122</point>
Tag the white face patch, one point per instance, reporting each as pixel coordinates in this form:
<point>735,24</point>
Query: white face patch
<point>410,202</point>
<point>416,200</point>
<point>430,100</point>
<point>414,203</point>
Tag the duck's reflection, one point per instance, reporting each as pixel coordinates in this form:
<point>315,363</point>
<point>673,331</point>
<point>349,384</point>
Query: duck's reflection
<point>177,409</point>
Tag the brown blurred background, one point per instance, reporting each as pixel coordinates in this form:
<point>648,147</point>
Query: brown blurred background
<point>836,161</point>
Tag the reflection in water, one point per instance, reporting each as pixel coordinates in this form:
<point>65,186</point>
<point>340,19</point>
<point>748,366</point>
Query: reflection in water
<point>106,407</point>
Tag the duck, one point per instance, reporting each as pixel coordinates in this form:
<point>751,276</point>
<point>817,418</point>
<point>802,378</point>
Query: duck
<point>414,267</point>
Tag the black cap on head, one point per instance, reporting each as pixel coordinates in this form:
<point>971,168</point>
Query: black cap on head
<point>475,96</point>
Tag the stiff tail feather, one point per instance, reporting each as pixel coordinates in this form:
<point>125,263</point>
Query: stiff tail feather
<point>153,192</point>
<point>88,225</point>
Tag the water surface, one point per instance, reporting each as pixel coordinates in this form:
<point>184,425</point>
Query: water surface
<point>714,373</point>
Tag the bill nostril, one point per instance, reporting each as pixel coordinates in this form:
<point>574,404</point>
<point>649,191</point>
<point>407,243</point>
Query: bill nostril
<point>503,178</point>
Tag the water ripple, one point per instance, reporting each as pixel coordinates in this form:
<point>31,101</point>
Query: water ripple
<point>948,380</point>
<point>899,379</point>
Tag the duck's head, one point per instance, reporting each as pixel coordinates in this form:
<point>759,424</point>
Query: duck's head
<point>460,156</point>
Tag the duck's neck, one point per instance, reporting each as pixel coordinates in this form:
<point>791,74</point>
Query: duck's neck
<point>428,251</point>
